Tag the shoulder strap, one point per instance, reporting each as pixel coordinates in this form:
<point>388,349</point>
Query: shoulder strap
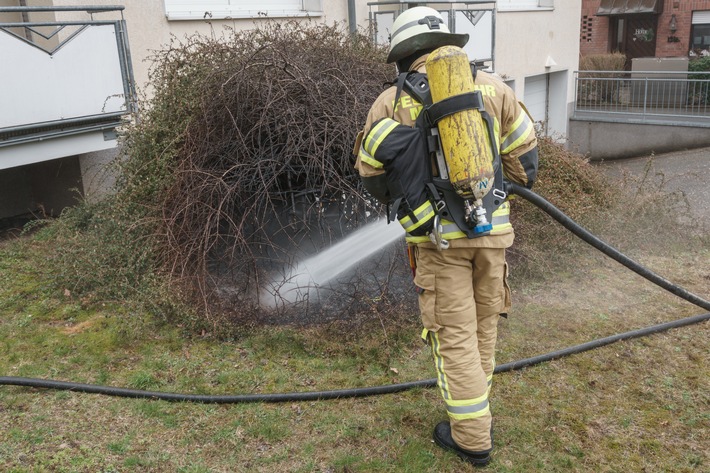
<point>453,104</point>
<point>400,85</point>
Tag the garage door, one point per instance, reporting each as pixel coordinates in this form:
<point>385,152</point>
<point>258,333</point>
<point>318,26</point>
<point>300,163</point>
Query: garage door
<point>536,97</point>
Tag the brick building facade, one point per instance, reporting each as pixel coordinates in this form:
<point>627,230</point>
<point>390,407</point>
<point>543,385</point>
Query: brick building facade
<point>664,28</point>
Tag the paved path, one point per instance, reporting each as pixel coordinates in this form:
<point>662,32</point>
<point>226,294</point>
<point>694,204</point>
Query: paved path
<point>688,171</point>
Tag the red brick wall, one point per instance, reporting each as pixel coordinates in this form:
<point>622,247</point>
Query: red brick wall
<point>594,30</point>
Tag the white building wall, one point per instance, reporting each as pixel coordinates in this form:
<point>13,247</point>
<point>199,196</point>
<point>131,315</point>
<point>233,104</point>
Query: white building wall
<point>150,30</point>
<point>541,41</point>
<point>525,40</point>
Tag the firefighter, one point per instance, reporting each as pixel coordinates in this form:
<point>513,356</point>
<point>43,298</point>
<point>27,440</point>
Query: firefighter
<point>462,287</point>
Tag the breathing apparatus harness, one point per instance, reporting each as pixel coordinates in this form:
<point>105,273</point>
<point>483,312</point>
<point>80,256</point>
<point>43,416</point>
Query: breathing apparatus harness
<point>426,199</point>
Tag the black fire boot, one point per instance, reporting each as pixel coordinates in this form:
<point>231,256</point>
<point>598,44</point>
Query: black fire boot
<point>442,437</point>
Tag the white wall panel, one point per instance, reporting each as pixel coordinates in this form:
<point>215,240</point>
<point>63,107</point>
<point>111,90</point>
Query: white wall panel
<point>218,9</point>
<point>536,96</point>
<point>82,78</point>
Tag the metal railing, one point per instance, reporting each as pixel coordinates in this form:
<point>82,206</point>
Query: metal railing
<point>45,99</point>
<point>658,97</point>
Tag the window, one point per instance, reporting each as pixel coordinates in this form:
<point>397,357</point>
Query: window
<point>513,5</point>
<point>223,9</point>
<point>478,24</point>
<point>700,33</point>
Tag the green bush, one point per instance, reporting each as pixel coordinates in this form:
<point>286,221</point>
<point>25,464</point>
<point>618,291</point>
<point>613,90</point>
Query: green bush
<point>699,64</point>
<point>699,87</point>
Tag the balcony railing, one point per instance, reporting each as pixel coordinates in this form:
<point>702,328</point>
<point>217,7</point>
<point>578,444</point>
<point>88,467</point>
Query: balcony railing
<point>66,72</point>
<point>673,98</point>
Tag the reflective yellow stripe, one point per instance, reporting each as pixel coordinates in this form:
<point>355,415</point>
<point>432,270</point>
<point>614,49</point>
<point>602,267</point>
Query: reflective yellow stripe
<point>468,408</point>
<point>423,213</point>
<point>498,229</point>
<point>467,402</point>
<point>366,158</point>
<point>504,209</point>
<point>450,231</point>
<point>416,239</point>
<point>457,409</point>
<point>501,219</point>
<point>520,131</point>
<point>377,135</point>
<point>439,362</point>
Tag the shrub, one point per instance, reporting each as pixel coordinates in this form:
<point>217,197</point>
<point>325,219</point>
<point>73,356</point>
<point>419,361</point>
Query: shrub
<point>247,147</point>
<point>699,64</point>
<point>597,87</point>
<point>603,62</point>
<point>699,87</point>
<point>573,185</point>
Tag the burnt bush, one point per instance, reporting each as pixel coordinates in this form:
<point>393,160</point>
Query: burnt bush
<point>245,154</point>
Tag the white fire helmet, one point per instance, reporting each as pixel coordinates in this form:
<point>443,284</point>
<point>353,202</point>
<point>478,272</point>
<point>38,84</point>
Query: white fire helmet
<point>420,28</point>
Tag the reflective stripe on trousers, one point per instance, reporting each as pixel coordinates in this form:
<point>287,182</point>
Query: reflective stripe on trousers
<point>462,408</point>
<point>463,292</point>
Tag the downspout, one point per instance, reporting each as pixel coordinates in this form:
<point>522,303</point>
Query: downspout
<point>352,21</point>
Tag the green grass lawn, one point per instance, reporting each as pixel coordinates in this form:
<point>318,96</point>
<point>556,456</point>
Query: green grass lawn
<point>639,405</point>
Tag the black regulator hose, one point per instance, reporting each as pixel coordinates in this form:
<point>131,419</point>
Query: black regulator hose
<point>600,245</point>
<point>394,388</point>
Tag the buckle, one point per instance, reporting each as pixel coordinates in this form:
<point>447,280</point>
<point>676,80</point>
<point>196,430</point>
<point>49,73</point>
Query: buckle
<point>435,235</point>
<point>500,193</point>
<point>431,21</point>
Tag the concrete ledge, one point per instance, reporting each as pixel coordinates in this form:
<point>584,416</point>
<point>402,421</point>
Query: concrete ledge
<point>47,149</point>
<point>611,140</point>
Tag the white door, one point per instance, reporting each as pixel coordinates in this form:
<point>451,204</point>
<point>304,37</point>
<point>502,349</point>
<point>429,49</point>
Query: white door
<point>536,97</point>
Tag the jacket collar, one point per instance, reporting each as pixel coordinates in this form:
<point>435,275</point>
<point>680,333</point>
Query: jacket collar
<point>420,64</point>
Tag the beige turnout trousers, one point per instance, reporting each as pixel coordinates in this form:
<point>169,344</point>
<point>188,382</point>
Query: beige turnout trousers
<point>461,293</point>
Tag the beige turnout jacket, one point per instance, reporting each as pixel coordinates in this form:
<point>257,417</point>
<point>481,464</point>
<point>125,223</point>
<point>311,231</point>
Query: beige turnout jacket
<point>514,133</point>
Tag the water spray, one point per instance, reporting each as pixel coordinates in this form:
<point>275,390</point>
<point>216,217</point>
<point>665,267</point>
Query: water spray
<point>304,279</point>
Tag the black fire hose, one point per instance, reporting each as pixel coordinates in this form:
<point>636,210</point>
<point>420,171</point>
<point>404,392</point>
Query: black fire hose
<point>338,393</point>
<point>394,388</point>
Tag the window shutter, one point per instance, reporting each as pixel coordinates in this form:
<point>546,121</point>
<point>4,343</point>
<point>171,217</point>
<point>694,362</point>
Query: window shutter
<point>701,17</point>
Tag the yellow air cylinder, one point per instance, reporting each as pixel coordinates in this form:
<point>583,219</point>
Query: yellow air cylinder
<point>464,135</point>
